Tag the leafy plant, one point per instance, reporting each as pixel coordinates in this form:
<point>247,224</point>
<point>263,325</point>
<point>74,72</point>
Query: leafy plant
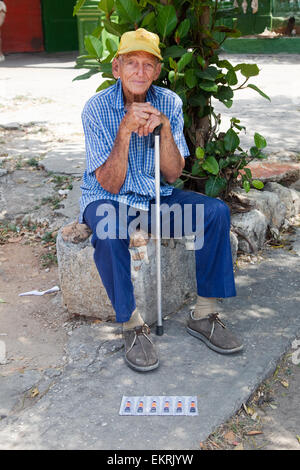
<point>33,162</point>
<point>222,162</point>
<point>191,36</point>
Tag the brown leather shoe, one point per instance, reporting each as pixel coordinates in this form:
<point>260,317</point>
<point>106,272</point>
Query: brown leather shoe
<point>140,353</point>
<point>214,333</point>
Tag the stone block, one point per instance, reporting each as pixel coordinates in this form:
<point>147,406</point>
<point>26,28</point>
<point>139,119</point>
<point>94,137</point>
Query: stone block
<point>251,228</point>
<point>83,291</point>
<point>289,197</point>
<point>267,202</point>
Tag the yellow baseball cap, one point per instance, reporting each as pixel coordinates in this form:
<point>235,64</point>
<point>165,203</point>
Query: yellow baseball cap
<point>139,40</point>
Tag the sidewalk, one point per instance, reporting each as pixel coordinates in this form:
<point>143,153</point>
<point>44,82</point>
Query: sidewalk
<point>77,401</point>
<point>81,405</point>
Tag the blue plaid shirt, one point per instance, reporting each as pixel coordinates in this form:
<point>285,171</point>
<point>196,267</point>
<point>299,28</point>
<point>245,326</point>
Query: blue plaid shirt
<point>101,118</point>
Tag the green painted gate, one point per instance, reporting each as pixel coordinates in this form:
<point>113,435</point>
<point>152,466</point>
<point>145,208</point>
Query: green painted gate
<point>59,25</point>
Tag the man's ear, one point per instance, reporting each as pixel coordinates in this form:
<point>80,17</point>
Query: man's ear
<point>115,65</point>
<point>158,70</point>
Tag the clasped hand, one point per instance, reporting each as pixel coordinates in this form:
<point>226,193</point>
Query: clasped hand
<point>143,118</point>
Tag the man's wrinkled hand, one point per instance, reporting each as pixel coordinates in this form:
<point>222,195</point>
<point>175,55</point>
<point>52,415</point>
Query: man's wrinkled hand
<point>153,121</point>
<point>138,115</point>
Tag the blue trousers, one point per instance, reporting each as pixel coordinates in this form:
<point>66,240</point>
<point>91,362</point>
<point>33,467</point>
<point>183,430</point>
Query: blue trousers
<point>214,270</point>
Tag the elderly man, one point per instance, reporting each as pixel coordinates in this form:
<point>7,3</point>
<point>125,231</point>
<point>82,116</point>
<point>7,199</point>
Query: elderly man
<point>118,123</point>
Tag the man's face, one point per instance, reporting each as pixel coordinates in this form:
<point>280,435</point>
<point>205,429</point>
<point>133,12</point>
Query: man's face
<point>137,71</point>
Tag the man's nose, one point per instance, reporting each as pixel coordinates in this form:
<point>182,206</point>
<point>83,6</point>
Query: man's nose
<point>140,70</point>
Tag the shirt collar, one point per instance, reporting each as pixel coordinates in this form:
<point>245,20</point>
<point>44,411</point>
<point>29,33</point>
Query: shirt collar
<point>118,101</point>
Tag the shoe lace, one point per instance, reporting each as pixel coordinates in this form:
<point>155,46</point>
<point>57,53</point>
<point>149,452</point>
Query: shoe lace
<point>215,317</point>
<point>143,330</point>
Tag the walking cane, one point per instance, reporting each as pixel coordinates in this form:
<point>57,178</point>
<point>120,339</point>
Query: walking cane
<point>156,132</point>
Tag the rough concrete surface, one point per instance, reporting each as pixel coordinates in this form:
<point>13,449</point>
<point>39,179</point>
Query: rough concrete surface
<point>80,411</point>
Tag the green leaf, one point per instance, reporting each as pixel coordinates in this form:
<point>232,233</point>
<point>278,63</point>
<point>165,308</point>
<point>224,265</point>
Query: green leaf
<point>128,10</point>
<point>196,168</point>
<point>211,147</point>
<point>223,163</point>
<point>215,185</point>
<point>211,165</point>
<point>171,76</point>
<point>254,152</point>
<point>106,5</point>
<point>179,184</point>
<point>208,74</point>
<point>219,147</point>
<point>233,159</point>
<point>235,123</point>
<point>246,186</point>
<point>106,84</point>
<point>114,28</point>
<point>148,20</point>
<point>183,28</point>
<point>200,153</point>
<point>228,103</point>
<point>88,64</point>
<point>261,155</point>
<point>93,45</point>
<point>184,61</point>
<point>257,184</point>
<point>190,78</point>
<point>172,63</point>
<point>208,86</point>
<point>105,68</point>
<point>254,87</point>
<point>201,61</point>
<point>197,100</point>
<point>225,64</point>
<point>86,75</point>
<point>248,173</point>
<point>248,70</point>
<point>174,52</point>
<point>231,140</point>
<point>166,20</point>
<point>260,141</point>
<point>97,31</point>
<point>78,5</point>
<point>231,77</point>
<point>111,46</point>
<point>225,93</point>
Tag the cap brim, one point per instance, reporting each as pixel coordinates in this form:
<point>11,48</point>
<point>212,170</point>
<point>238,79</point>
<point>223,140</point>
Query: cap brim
<point>139,46</point>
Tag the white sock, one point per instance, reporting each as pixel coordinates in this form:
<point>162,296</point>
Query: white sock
<point>135,320</point>
<point>204,306</point>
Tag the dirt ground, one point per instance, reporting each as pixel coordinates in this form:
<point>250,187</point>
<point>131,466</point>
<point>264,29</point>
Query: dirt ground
<point>31,326</point>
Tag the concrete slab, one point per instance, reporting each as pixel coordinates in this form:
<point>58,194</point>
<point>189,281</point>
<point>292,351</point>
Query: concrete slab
<point>67,160</point>
<point>275,171</point>
<point>80,411</point>
<point>275,120</point>
<point>22,191</point>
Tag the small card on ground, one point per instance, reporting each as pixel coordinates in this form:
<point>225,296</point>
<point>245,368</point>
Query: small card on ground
<point>159,406</point>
